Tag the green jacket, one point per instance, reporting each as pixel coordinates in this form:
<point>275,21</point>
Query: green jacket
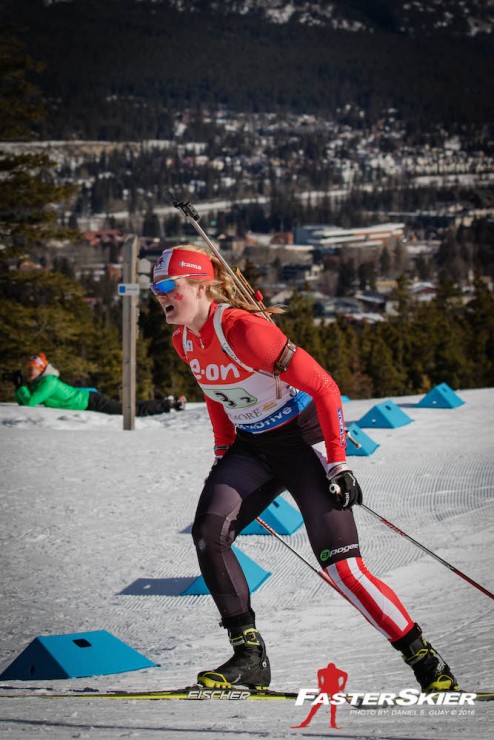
<point>48,390</point>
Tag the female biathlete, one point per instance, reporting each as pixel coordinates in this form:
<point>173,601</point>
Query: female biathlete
<point>278,423</point>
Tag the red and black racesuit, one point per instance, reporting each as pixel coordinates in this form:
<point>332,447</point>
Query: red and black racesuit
<point>274,444</point>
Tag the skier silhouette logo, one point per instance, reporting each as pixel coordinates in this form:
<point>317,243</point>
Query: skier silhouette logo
<point>331,680</point>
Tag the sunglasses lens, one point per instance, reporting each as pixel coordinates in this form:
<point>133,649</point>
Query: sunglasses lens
<point>163,286</point>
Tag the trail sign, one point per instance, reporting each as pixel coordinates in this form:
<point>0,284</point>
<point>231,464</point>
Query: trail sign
<point>129,289</point>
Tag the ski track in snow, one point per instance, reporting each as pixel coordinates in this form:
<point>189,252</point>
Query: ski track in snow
<point>89,512</point>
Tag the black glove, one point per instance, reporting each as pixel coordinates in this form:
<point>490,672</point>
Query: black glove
<point>15,378</point>
<point>344,488</point>
<point>180,403</point>
<point>18,379</point>
<point>176,403</point>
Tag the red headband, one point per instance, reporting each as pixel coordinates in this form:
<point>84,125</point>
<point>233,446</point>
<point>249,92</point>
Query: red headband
<point>176,262</point>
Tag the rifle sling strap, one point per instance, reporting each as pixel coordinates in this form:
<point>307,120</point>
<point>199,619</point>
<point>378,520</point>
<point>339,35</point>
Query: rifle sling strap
<point>283,362</point>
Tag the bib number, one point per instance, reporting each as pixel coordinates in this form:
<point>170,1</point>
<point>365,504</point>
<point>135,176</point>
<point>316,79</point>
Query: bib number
<point>232,398</point>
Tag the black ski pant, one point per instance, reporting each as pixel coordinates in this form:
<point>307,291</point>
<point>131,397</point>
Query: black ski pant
<point>255,470</point>
<point>105,405</point>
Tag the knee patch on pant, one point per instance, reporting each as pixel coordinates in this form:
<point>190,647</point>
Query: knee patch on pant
<point>212,530</point>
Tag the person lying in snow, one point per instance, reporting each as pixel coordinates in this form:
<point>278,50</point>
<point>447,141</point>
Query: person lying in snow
<point>44,387</point>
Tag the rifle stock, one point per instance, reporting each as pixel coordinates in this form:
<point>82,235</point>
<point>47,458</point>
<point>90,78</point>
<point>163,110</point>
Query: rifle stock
<point>246,290</point>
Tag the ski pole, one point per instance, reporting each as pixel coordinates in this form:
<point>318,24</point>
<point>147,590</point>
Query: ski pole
<point>429,552</point>
<point>352,439</point>
<point>191,215</point>
<point>321,573</point>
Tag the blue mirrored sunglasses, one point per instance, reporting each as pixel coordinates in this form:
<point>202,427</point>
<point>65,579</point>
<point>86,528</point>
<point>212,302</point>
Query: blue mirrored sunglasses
<point>166,286</point>
<point>163,286</point>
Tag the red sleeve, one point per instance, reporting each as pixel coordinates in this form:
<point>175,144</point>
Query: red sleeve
<point>258,343</point>
<point>307,375</point>
<point>223,429</point>
<point>177,343</point>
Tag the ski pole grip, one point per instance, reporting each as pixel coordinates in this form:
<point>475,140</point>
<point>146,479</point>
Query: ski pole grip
<point>352,439</point>
<point>335,489</point>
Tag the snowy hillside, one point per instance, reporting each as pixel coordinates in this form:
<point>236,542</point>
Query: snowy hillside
<point>413,17</point>
<point>94,530</point>
<point>468,17</point>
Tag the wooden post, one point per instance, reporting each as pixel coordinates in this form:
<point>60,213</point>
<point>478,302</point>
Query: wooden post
<point>129,334</point>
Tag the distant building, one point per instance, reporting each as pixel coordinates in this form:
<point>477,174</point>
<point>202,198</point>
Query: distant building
<point>282,237</point>
<point>327,239</point>
<point>104,237</point>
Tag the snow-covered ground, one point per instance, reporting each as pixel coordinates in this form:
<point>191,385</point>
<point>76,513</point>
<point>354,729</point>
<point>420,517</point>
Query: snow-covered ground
<point>90,512</point>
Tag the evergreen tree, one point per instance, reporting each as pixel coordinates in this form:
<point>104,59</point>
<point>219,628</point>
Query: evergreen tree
<point>42,311</point>
<point>28,187</point>
<point>341,358</point>
<point>420,358</point>
<point>483,238</point>
<point>385,262</point>
<point>450,260</point>
<point>170,375</point>
<point>423,268</point>
<point>480,342</point>
<point>151,225</point>
<point>438,347</point>
<point>144,370</point>
<point>387,375</point>
<point>251,274</point>
<point>298,324</point>
<point>403,297</point>
<point>400,258</point>
<point>346,278</point>
<point>360,383</point>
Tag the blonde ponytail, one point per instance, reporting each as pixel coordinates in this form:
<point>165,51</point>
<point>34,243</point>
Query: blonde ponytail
<point>223,288</point>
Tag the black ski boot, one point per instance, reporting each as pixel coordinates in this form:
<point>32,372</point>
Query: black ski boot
<point>248,666</point>
<point>432,673</point>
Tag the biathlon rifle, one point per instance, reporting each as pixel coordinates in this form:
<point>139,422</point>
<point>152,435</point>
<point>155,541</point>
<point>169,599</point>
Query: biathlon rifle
<point>245,289</point>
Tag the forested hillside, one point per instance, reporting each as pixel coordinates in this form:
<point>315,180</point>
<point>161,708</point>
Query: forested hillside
<point>116,69</point>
